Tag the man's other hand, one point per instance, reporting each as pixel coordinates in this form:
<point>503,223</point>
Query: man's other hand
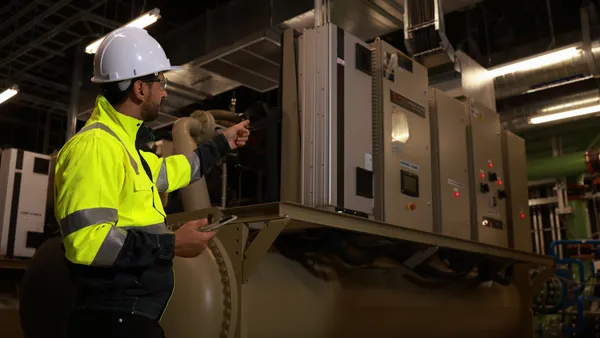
<point>237,135</point>
<point>189,242</point>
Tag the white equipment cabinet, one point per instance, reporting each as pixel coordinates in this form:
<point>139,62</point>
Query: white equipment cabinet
<point>24,181</point>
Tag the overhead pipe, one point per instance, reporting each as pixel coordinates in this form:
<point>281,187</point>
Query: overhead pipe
<point>75,91</point>
<point>557,166</point>
<point>518,110</point>
<point>573,164</point>
<point>571,70</point>
<point>188,132</point>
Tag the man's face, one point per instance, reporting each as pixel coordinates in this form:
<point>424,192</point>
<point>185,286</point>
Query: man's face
<point>156,93</point>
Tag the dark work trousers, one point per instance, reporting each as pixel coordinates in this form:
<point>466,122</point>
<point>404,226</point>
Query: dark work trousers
<point>98,324</point>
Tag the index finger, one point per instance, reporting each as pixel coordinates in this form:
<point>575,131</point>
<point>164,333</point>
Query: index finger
<point>244,123</point>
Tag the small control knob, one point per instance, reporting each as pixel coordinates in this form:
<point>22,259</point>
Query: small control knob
<point>493,201</point>
<point>492,177</point>
<point>412,206</point>
<point>501,194</point>
<point>484,188</point>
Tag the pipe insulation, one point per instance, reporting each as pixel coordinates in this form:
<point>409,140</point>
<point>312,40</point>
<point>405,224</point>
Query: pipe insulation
<point>188,132</point>
<point>557,166</point>
<point>572,69</point>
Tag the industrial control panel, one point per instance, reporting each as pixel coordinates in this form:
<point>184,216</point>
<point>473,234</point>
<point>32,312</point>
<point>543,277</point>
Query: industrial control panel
<point>334,70</point>
<point>451,184</point>
<point>517,192</point>
<point>488,192</point>
<point>401,140</point>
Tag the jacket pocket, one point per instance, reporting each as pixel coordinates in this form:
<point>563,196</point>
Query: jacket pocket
<point>142,196</point>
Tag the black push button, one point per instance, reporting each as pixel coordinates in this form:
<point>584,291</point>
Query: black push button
<point>484,188</point>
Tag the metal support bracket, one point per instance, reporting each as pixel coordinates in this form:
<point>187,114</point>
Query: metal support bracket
<point>541,278</point>
<point>420,257</point>
<point>261,244</point>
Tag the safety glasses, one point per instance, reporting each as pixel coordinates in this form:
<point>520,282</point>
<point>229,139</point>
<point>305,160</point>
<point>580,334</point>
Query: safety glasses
<point>163,82</point>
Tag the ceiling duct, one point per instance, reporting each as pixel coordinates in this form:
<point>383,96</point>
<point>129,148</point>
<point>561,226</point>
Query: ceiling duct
<point>425,35</point>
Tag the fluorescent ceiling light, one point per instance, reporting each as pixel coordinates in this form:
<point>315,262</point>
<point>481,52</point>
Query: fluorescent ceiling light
<point>536,62</point>
<point>8,93</point>
<point>571,105</point>
<point>141,22</point>
<point>565,115</point>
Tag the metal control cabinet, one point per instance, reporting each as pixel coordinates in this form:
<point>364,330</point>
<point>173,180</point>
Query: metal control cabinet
<point>335,104</point>
<point>24,180</point>
<point>401,139</point>
<point>451,186</point>
<point>517,194</point>
<point>488,198</point>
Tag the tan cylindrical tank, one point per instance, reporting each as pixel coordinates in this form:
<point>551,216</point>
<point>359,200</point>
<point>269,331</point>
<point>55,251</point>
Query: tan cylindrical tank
<point>283,299</point>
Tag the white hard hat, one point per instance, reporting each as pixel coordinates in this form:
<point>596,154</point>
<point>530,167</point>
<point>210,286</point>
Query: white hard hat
<point>128,53</point>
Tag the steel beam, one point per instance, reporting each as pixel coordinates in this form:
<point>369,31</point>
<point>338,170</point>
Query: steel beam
<point>30,24</point>
<point>75,91</point>
<point>45,82</point>
<point>14,18</point>
<point>108,23</point>
<point>41,61</point>
<point>4,119</point>
<point>46,37</point>
<point>301,217</point>
<point>42,101</point>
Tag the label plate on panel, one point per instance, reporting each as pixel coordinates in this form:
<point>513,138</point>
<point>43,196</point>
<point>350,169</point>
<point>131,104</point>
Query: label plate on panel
<point>409,166</point>
<point>407,104</point>
<point>454,183</point>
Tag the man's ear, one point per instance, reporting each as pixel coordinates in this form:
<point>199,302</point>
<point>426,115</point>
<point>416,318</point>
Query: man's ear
<point>139,91</point>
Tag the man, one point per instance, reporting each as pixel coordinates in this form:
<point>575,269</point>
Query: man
<point>107,203</point>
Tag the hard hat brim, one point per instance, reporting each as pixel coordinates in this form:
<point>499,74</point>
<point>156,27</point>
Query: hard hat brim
<point>96,80</point>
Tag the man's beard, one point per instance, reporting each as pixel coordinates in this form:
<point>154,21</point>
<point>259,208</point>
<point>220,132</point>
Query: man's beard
<point>150,111</point>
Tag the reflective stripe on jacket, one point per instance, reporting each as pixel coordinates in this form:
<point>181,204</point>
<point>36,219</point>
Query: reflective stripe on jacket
<point>112,220</point>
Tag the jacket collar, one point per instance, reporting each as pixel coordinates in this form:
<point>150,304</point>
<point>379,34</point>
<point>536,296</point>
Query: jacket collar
<point>105,113</point>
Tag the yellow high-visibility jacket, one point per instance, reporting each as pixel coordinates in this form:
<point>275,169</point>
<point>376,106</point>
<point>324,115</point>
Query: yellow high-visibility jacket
<point>112,220</point>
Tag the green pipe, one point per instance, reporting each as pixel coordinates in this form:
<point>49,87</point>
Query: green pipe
<point>551,167</point>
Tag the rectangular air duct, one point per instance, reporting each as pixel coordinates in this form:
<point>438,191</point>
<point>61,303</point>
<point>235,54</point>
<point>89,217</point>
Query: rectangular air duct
<point>424,33</point>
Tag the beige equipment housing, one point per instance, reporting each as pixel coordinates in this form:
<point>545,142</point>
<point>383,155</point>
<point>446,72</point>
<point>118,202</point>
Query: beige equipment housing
<point>401,140</point>
<point>449,158</point>
<point>334,77</point>
<point>486,168</point>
